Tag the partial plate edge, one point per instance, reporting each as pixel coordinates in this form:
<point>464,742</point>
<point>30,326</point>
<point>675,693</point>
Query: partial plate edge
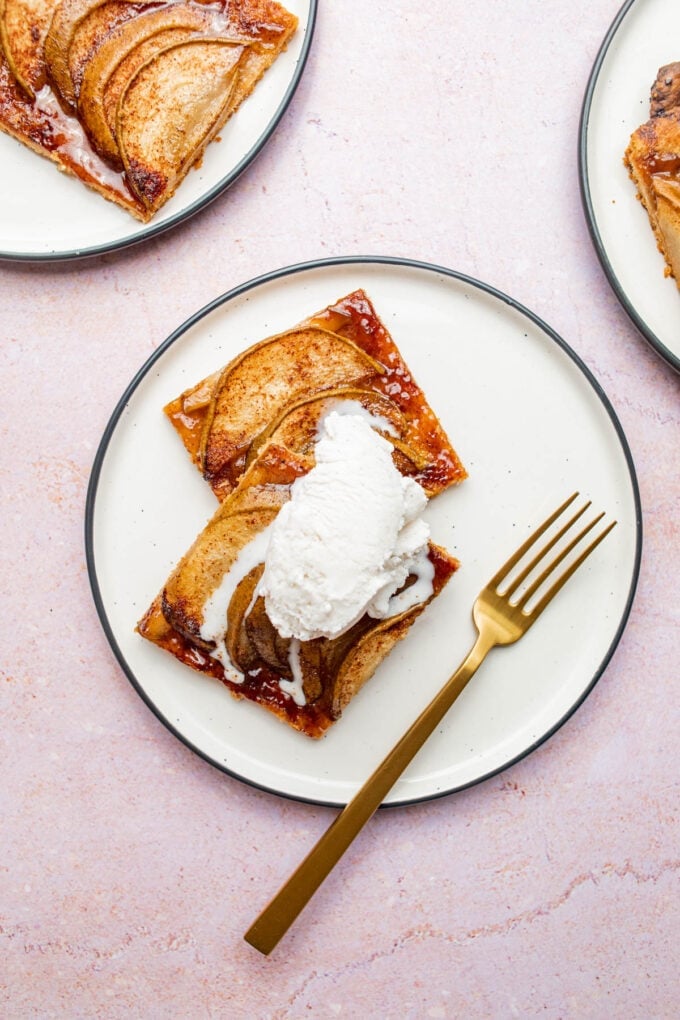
<point>586,199</point>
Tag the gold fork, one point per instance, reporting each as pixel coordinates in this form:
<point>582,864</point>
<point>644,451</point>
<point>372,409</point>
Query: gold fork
<point>504,610</point>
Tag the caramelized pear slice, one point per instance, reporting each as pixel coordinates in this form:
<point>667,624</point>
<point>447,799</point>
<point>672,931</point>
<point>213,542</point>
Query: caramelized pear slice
<point>363,655</point>
<point>170,110</point>
<point>200,572</point>
<point>264,637</point>
<point>102,121</point>
<point>297,425</point>
<point>312,668</point>
<point>206,564</point>
<point>257,385</point>
<point>121,54</point>
<point>239,646</point>
<point>23,27</point>
<point>90,34</point>
<point>68,15</point>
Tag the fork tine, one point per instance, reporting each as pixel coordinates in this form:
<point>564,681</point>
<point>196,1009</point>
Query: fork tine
<point>524,548</point>
<point>531,566</point>
<point>561,556</point>
<point>563,578</point>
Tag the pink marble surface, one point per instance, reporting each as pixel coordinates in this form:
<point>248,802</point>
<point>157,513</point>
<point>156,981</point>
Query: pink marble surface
<point>130,868</point>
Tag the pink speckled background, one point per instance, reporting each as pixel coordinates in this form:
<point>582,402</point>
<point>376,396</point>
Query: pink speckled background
<point>129,868</point>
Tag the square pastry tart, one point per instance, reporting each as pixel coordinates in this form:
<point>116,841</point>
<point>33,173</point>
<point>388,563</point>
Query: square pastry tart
<point>127,95</point>
<point>322,451</point>
<point>279,388</point>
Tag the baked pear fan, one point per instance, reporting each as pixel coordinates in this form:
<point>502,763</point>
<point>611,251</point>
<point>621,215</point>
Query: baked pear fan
<point>653,162</point>
<point>109,91</point>
<point>280,388</point>
<point>77,29</point>
<point>121,55</point>
<point>248,655</point>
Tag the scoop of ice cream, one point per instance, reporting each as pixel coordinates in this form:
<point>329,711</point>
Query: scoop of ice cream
<point>348,539</point>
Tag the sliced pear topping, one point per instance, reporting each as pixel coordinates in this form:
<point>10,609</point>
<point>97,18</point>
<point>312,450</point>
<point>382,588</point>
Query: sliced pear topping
<point>68,15</point>
<point>213,555</point>
<point>296,424</point>
<point>266,378</point>
<point>23,27</point>
<point>92,32</point>
<point>170,110</point>
<point>120,55</point>
<point>418,458</point>
<point>270,646</point>
<point>240,649</point>
<point>363,655</point>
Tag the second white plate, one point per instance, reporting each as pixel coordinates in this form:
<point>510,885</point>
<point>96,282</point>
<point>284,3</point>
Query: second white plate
<point>644,37</point>
<point>530,424</point>
<point>47,215</point>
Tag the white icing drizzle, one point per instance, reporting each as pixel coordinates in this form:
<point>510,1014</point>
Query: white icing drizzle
<point>214,627</point>
<point>294,687</point>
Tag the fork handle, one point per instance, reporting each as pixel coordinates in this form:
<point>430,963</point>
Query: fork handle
<point>279,914</point>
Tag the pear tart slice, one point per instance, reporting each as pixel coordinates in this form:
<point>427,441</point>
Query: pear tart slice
<point>653,162</point>
<point>307,684</point>
<point>281,387</point>
<point>107,90</point>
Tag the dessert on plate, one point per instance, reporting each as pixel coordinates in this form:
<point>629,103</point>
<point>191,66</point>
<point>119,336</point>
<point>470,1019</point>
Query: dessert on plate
<point>653,162</point>
<point>126,96</point>
<point>279,388</point>
<point>317,560</point>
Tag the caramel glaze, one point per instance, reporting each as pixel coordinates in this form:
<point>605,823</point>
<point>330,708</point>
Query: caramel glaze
<point>44,126</point>
<point>659,153</point>
<point>261,683</point>
<point>354,318</point>
<point>662,164</point>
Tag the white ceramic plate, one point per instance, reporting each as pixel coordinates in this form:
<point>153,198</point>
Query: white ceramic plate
<point>46,215</point>
<point>644,36</point>
<point>531,425</point>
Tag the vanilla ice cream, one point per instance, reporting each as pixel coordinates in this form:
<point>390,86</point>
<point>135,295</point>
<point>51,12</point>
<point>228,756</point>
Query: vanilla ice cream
<point>348,539</point>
